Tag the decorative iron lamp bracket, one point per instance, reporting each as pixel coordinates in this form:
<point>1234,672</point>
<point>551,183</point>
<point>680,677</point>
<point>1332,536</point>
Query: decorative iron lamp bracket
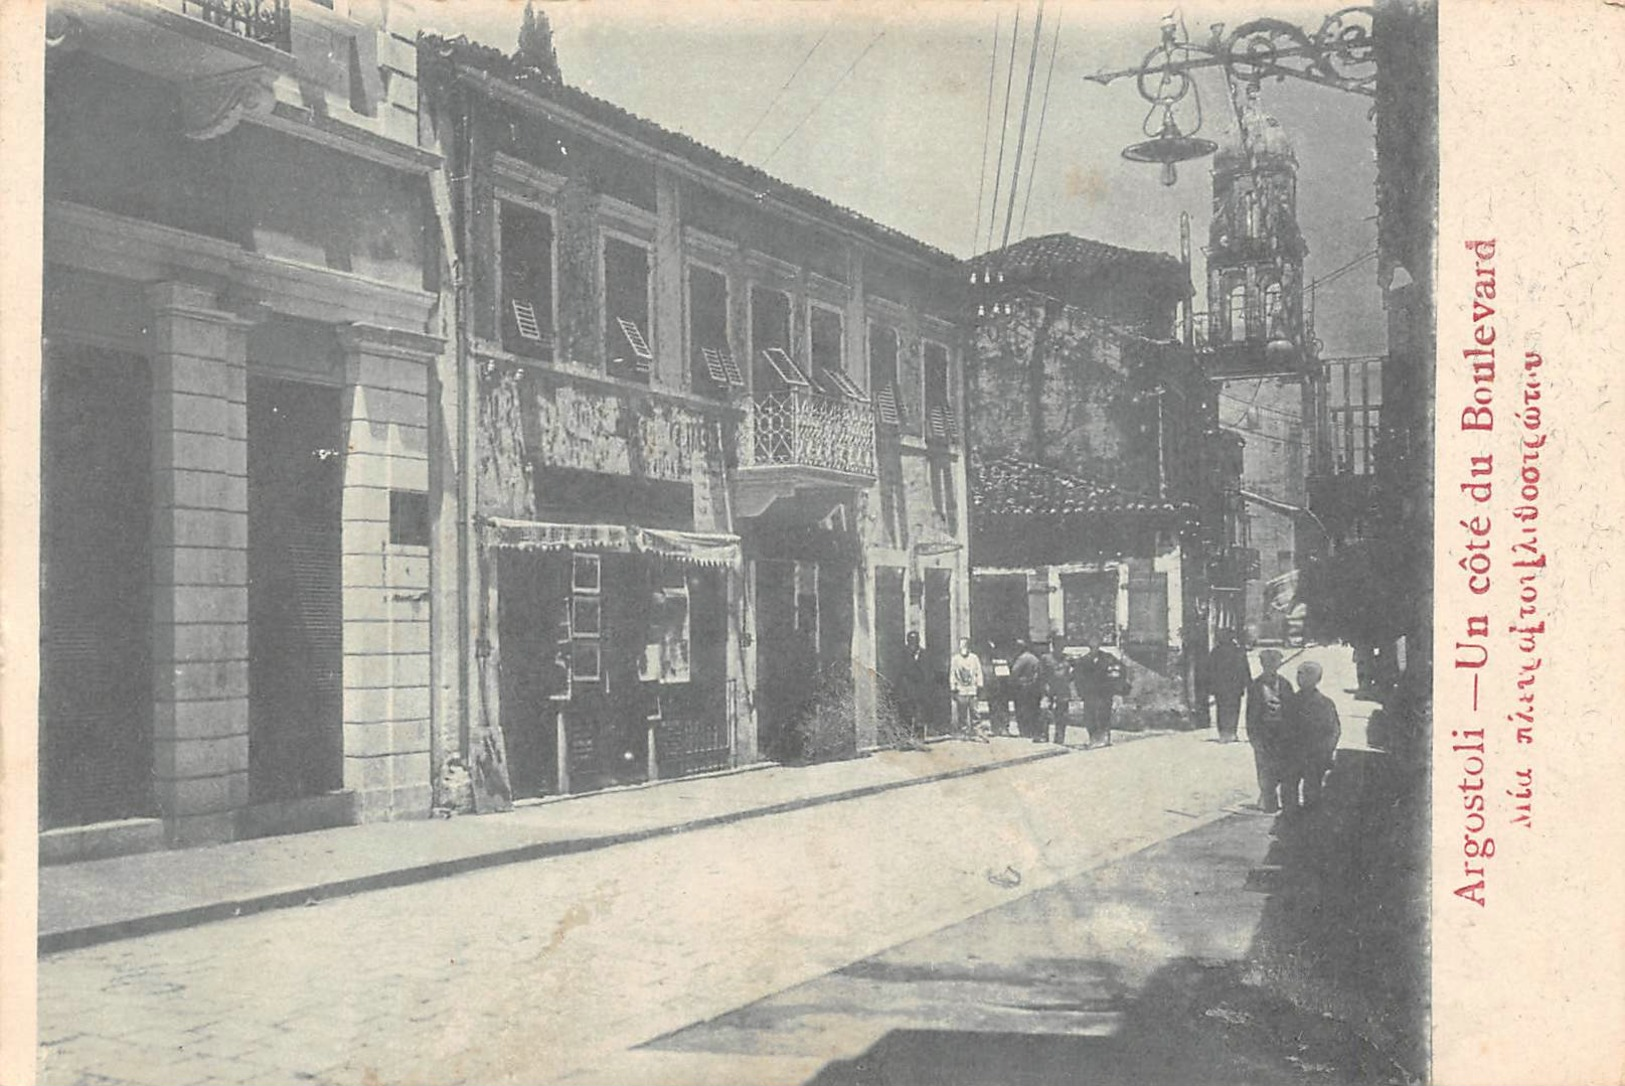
<point>1341,54</point>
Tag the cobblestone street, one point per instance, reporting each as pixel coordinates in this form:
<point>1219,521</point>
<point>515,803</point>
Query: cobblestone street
<point>530,972</point>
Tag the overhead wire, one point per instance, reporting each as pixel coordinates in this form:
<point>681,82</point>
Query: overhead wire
<point>780,92</point>
<point>1038,140</point>
<point>824,97</point>
<point>1004,128</point>
<point>987,129</point>
<point>1021,138</point>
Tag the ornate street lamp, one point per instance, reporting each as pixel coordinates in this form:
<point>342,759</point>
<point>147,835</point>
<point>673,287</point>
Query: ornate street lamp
<point>1340,54</point>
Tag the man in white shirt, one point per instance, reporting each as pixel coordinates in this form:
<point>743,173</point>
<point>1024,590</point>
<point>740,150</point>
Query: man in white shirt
<point>965,679</point>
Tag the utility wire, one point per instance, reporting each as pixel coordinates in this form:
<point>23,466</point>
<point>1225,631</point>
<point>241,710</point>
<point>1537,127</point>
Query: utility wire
<point>1338,273</point>
<point>1038,141</point>
<point>780,92</point>
<point>987,129</point>
<point>825,96</point>
<point>1004,129</point>
<point>1021,139</point>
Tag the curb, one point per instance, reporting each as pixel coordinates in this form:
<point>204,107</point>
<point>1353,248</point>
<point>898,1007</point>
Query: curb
<point>173,920</point>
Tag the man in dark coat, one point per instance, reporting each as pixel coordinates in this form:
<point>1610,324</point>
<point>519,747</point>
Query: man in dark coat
<point>1027,676</point>
<point>1267,707</point>
<point>1228,676</point>
<point>914,694</point>
<point>1057,686</point>
<point>1098,678</point>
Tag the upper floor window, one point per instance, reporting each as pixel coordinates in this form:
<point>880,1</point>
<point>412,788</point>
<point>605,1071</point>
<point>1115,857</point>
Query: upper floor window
<point>712,365</point>
<point>940,423</point>
<point>826,335</point>
<point>1272,310</point>
<point>890,407</point>
<point>527,281</point>
<point>773,368</point>
<point>626,309</point>
<point>1238,313</point>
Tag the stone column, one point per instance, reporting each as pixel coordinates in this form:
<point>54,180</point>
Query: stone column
<point>200,562</point>
<point>387,605</point>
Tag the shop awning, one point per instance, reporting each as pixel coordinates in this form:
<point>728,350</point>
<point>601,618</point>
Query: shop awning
<point>714,549</point>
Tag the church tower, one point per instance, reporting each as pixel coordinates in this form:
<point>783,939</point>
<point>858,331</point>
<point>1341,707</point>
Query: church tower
<point>1255,252</point>
<point>1262,355</point>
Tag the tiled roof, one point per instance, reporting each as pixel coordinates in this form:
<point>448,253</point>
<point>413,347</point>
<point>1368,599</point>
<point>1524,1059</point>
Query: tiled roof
<point>1072,256</point>
<point>1010,486</point>
<point>500,65</point>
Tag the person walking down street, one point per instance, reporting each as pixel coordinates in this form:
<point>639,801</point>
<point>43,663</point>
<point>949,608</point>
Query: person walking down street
<point>1098,677</point>
<point>965,682</point>
<point>1313,732</point>
<point>1267,699</point>
<point>1057,686</point>
<point>1228,675</point>
<point>1027,675</point>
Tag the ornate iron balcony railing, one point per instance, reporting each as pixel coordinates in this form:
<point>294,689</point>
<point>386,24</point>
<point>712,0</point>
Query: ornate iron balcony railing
<point>265,21</point>
<point>809,430</point>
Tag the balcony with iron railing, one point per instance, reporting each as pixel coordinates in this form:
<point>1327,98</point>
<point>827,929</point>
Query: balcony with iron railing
<point>795,428</point>
<point>265,21</point>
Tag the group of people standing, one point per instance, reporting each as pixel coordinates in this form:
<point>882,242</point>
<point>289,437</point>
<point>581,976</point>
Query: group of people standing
<point>1042,687</point>
<point>1294,733</point>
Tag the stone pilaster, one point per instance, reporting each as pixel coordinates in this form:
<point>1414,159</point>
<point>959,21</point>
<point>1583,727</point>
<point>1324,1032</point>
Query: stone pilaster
<point>387,604</point>
<point>200,562</point>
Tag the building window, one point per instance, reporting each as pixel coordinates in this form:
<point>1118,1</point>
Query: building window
<point>943,496</point>
<point>1238,313</point>
<point>409,518</point>
<point>890,407</point>
<point>1354,411</point>
<point>825,348</point>
<point>1272,310</point>
<point>712,364</point>
<point>586,617</point>
<point>626,309</point>
<point>527,281</point>
<point>940,421</point>
<point>773,368</point>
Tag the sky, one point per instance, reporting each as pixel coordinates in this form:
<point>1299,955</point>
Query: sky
<point>884,108</point>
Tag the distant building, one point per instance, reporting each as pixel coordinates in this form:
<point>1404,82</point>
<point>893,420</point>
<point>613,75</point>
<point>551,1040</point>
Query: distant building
<point>1100,507</point>
<point>1261,352</point>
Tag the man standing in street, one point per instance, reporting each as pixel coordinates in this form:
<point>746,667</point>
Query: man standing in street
<point>1228,675</point>
<point>913,692</point>
<point>1313,732</point>
<point>1058,685</point>
<point>1267,699</point>
<point>965,681</point>
<point>1098,678</point>
<point>1027,676</point>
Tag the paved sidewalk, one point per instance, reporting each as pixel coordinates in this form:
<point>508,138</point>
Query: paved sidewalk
<point>100,901</point>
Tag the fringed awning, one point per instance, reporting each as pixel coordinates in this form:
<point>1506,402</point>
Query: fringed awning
<point>714,549</point>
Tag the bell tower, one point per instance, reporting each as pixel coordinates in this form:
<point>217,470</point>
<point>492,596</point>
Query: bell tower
<point>1256,252</point>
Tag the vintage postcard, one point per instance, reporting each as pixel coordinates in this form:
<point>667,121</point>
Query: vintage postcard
<point>958,542</point>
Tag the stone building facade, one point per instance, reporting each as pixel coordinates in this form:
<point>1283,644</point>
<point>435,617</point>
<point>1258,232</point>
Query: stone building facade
<point>716,467</point>
<point>1099,514</point>
<point>240,329</point>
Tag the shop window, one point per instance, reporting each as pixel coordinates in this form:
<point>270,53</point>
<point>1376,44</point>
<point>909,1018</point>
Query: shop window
<point>586,617</point>
<point>626,309</point>
<point>527,281</point>
<point>940,422</point>
<point>889,406</point>
<point>712,365</point>
<point>409,518</point>
<point>667,656</point>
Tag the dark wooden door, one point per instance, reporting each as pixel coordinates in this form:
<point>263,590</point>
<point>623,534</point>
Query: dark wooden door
<point>891,621</point>
<point>938,642</point>
<point>784,654</point>
<point>95,597</point>
<point>534,634</point>
<point>295,608</point>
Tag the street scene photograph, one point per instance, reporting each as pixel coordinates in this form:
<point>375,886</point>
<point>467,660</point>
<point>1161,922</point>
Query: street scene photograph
<point>847,543</point>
